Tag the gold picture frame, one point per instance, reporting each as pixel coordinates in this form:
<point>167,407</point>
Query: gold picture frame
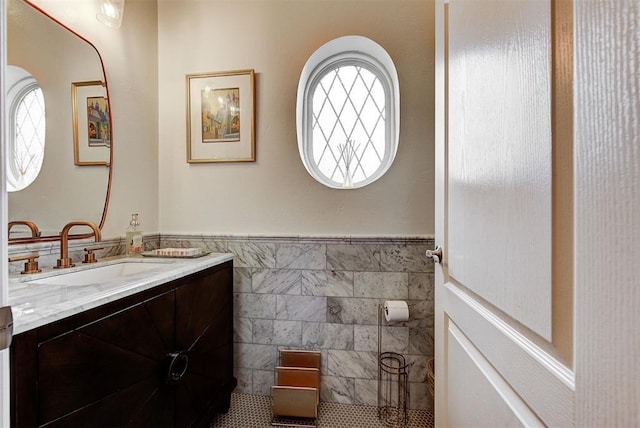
<point>221,117</point>
<point>91,123</point>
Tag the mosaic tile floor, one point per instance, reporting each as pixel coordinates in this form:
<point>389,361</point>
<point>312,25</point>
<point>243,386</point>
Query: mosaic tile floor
<point>254,411</point>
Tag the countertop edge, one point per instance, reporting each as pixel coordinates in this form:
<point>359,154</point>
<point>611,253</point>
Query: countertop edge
<point>36,305</point>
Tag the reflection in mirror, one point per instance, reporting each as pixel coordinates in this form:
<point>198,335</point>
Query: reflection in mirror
<point>26,116</point>
<point>65,189</point>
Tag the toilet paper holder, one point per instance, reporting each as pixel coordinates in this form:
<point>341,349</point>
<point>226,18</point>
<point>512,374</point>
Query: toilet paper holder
<point>393,376</point>
<point>396,311</point>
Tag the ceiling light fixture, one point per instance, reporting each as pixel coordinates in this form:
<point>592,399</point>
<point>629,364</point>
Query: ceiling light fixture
<point>110,13</point>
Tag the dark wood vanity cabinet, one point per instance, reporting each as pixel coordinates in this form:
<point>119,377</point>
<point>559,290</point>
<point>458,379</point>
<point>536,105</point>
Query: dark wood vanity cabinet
<point>160,358</point>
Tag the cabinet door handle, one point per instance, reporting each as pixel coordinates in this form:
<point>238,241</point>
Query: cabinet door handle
<point>177,366</point>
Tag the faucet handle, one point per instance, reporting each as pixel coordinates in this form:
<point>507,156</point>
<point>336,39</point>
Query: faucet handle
<point>31,265</point>
<point>89,256</point>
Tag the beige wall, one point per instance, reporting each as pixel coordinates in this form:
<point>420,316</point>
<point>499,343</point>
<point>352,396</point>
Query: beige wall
<point>275,195</point>
<point>146,61</point>
<point>130,58</point>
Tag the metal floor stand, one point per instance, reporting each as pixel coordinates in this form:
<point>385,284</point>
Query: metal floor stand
<point>393,384</point>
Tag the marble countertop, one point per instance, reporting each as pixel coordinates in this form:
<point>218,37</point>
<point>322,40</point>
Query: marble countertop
<point>35,304</point>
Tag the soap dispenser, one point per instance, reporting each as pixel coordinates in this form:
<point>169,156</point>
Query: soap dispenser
<point>134,236</point>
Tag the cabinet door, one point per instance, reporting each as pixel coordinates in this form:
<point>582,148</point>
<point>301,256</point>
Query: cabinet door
<point>204,332</point>
<point>161,358</point>
<point>112,363</point>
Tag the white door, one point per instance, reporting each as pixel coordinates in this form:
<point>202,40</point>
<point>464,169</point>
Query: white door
<point>504,353</point>
<point>538,213</point>
<point>4,288</point>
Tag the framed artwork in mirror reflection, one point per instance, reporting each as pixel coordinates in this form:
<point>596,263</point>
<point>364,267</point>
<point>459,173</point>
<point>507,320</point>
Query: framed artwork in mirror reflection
<point>221,117</point>
<point>91,123</point>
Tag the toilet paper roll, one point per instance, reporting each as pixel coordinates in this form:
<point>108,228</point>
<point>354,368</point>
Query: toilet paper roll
<point>396,310</point>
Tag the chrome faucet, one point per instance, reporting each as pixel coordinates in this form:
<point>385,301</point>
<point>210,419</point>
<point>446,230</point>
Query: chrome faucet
<point>35,233</point>
<point>65,261</point>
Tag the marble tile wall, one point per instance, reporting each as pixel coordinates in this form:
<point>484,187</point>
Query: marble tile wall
<point>323,294</point>
<point>319,293</point>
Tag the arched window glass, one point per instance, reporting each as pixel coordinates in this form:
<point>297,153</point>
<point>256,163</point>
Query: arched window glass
<point>348,113</point>
<point>27,126</point>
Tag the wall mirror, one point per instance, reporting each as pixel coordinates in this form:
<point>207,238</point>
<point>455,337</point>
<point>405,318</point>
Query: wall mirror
<point>75,177</point>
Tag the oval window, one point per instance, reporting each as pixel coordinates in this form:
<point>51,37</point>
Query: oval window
<point>348,110</point>
<point>27,124</point>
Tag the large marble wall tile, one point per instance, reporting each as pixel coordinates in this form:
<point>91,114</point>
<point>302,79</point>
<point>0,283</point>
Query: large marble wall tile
<point>216,246</point>
<point>386,285</point>
<point>276,281</point>
<point>252,356</point>
<point>365,338</point>
<point>245,382</point>
<point>405,258</point>
<point>263,380</point>
<point>301,256</point>
<point>421,286</point>
<point>420,310</point>
<point>242,280</point>
<point>421,337</point>
<point>253,254</point>
<point>301,308</point>
<point>337,389</point>
<point>242,330</point>
<point>353,257</point>
<point>352,311</point>
<point>247,305</point>
<point>275,332</point>
<point>327,336</point>
<point>366,392</point>
<point>191,241</point>
<point>417,368</point>
<point>324,362</point>
<point>419,396</point>
<point>394,339</point>
<point>363,365</point>
<point>171,237</point>
<point>327,283</point>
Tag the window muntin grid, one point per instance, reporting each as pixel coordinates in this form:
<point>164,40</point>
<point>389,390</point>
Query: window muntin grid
<point>28,146</point>
<point>348,109</point>
<point>27,126</point>
<point>348,124</point>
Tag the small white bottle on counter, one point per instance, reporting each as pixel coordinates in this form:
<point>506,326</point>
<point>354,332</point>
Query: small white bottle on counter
<point>134,236</point>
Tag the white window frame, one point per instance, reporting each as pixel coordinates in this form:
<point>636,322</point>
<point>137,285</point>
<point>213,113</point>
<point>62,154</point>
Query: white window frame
<point>348,51</point>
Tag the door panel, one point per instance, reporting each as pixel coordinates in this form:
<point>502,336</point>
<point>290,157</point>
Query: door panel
<point>544,383</point>
<point>500,155</point>
<point>204,330</point>
<point>472,379</point>
<point>100,414</point>
<point>117,352</point>
<point>503,343</point>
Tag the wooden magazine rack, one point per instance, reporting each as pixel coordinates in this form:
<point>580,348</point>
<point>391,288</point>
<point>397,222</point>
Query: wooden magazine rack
<point>296,393</point>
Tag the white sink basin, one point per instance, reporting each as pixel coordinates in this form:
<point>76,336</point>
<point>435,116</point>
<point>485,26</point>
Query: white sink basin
<point>100,274</point>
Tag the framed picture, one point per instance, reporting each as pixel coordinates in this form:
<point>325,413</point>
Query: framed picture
<point>221,117</point>
<point>91,124</point>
